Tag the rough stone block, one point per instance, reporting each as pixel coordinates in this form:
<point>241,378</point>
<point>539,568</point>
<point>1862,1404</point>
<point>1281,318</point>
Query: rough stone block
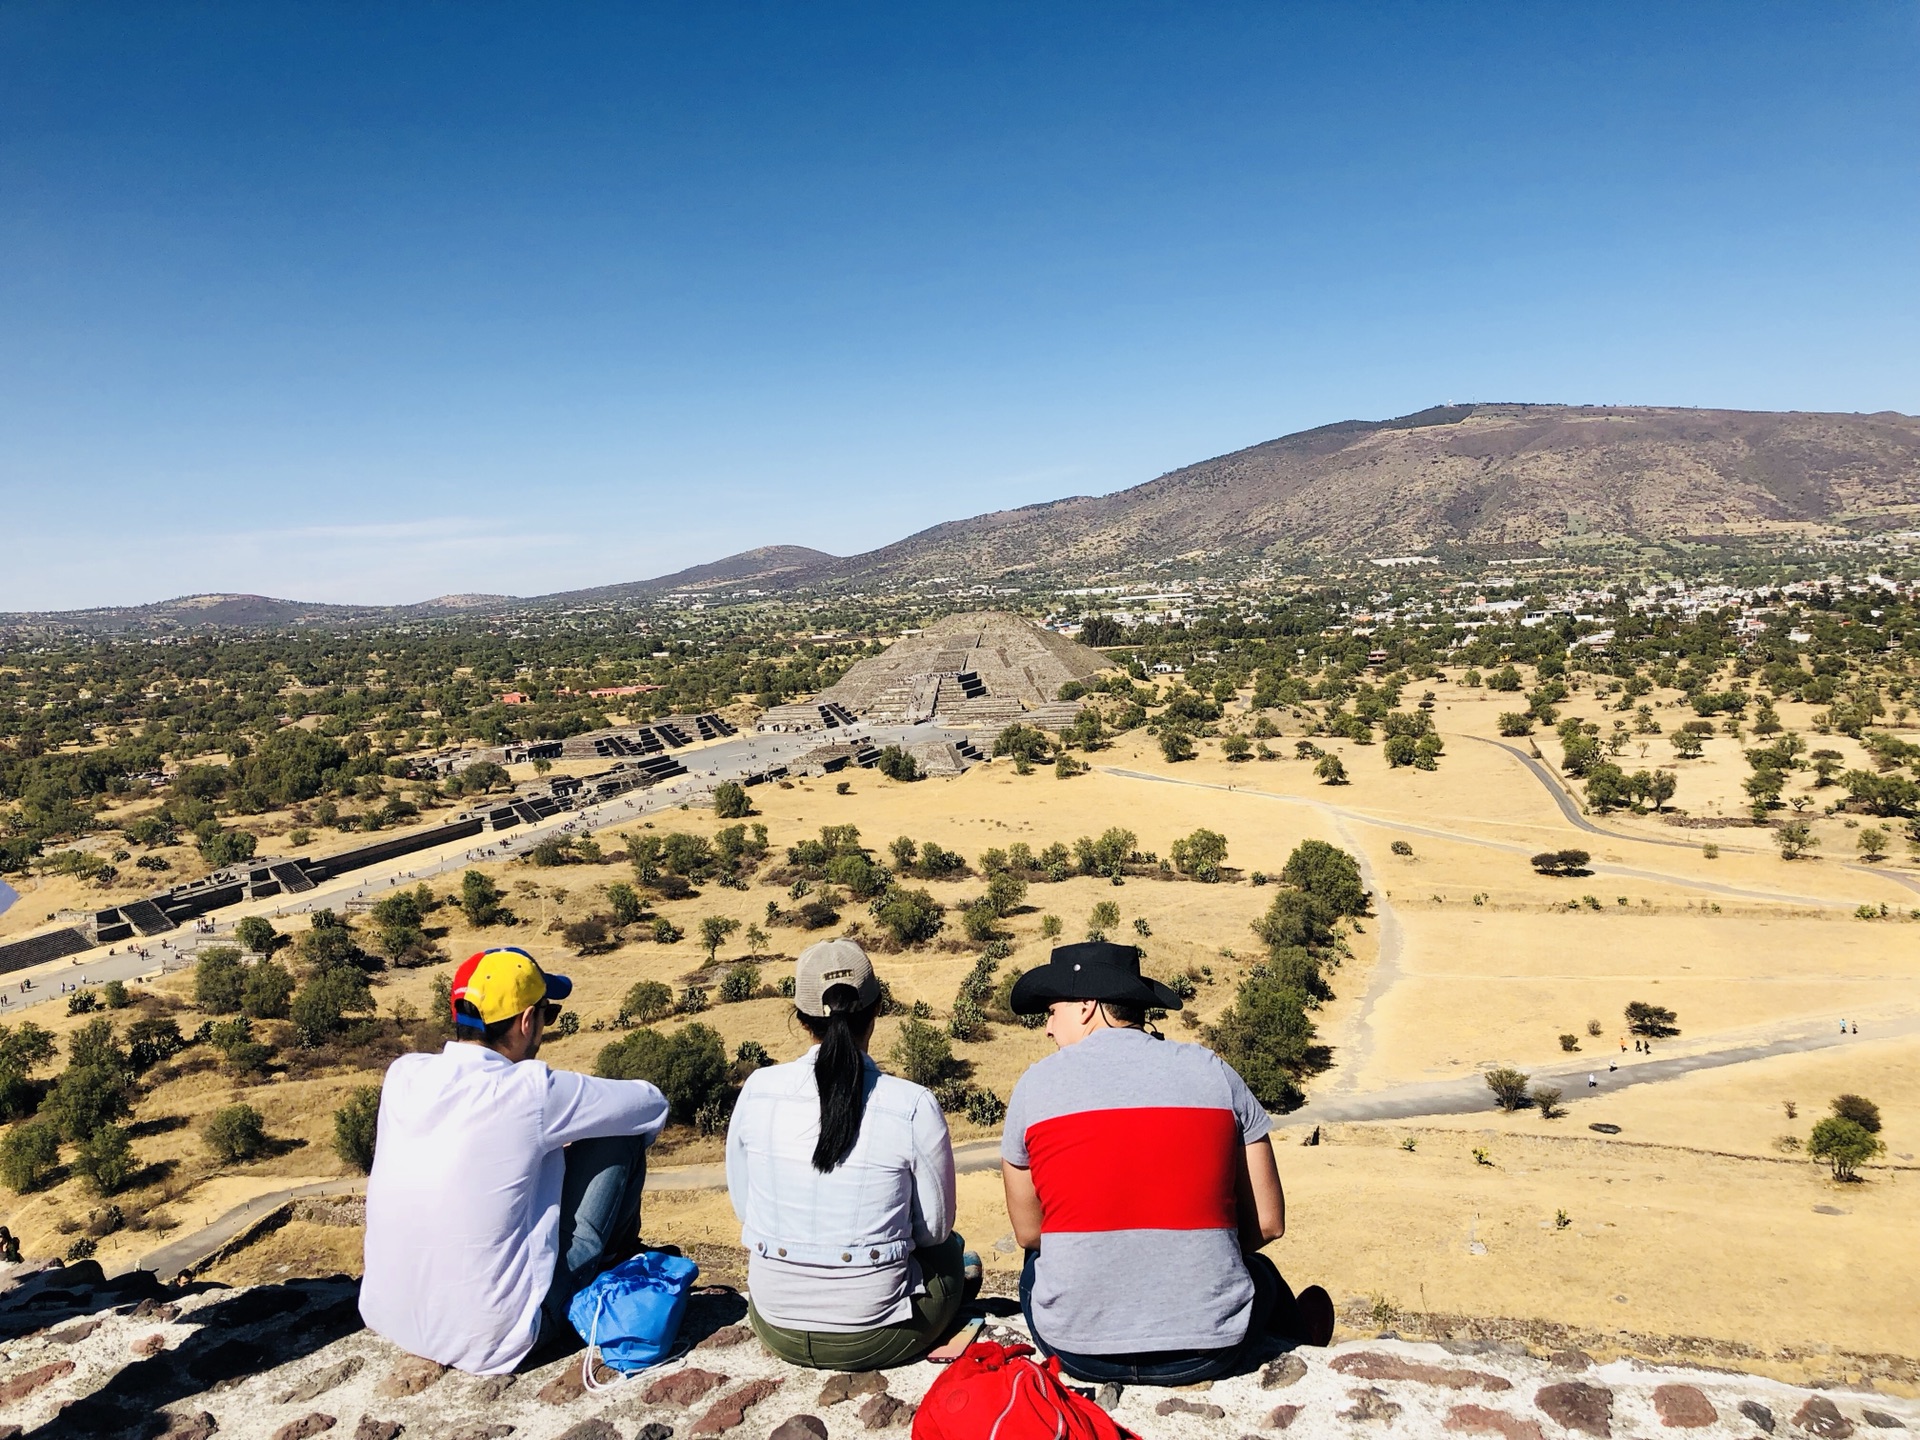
<point>1285,1371</point>
<point>372,1429</point>
<point>851,1385</point>
<point>730,1410</point>
<point>321,1381</point>
<point>1371,1404</point>
<point>1372,1365</point>
<point>148,1346</point>
<point>655,1431</point>
<point>490,1388</point>
<point>589,1430</point>
<point>683,1387</point>
<point>23,1385</point>
<point>495,1431</point>
<point>305,1426</point>
<point>409,1376</point>
<point>1820,1416</point>
<point>74,1334</point>
<point>1759,1414</point>
<point>1880,1420</point>
<point>1682,1407</point>
<point>1283,1416</point>
<point>566,1387</point>
<point>1480,1420</point>
<point>1174,1405</point>
<point>726,1337</point>
<point>880,1411</point>
<point>1578,1406</point>
<point>197,1426</point>
<point>800,1427</point>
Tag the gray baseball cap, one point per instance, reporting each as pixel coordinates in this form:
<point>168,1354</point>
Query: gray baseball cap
<point>829,963</point>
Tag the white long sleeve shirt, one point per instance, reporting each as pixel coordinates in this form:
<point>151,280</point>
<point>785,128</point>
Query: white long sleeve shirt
<point>463,1205</point>
<point>835,1252</point>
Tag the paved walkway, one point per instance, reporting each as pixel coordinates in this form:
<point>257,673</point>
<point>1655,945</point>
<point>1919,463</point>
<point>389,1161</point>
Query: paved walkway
<point>189,1250</point>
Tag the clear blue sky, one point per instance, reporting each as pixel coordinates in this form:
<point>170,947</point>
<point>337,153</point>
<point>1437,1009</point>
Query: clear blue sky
<point>373,302</point>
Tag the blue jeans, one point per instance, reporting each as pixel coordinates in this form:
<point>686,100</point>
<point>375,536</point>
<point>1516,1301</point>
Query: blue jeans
<point>599,1209</point>
<point>1273,1307</point>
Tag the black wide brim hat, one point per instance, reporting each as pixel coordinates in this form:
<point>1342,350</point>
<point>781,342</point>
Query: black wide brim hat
<point>1091,970</point>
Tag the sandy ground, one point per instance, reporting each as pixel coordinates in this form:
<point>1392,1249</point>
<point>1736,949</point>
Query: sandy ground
<point>1692,1213</point>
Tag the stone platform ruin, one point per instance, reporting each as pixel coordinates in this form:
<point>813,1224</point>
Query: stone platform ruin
<point>988,668</point>
<point>82,1356</point>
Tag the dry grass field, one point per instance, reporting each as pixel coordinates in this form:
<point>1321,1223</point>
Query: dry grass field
<point>1690,1221</point>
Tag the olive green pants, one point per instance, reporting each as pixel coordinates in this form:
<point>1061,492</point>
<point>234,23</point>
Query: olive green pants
<point>886,1345</point>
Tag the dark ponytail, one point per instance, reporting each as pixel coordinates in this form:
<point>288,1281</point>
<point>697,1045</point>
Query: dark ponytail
<point>840,1070</point>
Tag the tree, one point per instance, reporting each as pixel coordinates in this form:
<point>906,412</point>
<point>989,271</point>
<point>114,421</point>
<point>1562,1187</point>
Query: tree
<point>1509,1087</point>
<point>730,800</point>
<point>1795,838</point>
<point>480,899</point>
<point>1561,862</point>
<point>756,940</point>
<point>1514,723</point>
<point>1427,751</point>
<point>1028,743</point>
<point>1608,787</point>
<point>1653,1021</point>
<point>222,848</point>
<point>665,932</point>
<point>1547,1099</point>
<point>714,930</point>
<point>922,1055</point>
<point>1860,1110</point>
<point>910,916</point>
<point>84,1098</point>
<point>267,991</point>
<point>1506,678</point>
<point>588,934</point>
<point>1005,891</point>
<point>1176,744</point>
<point>1201,855</point>
<point>1330,770</point>
<point>356,1127</point>
<point>1329,874</point>
<point>219,980</point>
<point>1266,1037</point>
<point>1886,795</point>
<point>689,1066</point>
<point>1687,744</point>
<point>398,925</point>
<point>1399,751</point>
<point>1873,844</point>
<point>235,1134</point>
<point>255,933</point>
<point>29,1154</point>
<point>646,1002</point>
<point>106,1160</point>
<point>1844,1144</point>
<point>897,764</point>
<point>320,1010</point>
<point>1236,747</point>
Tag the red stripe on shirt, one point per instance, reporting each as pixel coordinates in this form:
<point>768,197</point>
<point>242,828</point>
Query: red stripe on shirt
<point>1151,1168</point>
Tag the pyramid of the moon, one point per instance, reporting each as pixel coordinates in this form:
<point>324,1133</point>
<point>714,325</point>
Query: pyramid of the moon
<point>981,669</point>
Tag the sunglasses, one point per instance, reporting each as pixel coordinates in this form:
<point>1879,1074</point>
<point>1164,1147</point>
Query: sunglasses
<point>550,1012</point>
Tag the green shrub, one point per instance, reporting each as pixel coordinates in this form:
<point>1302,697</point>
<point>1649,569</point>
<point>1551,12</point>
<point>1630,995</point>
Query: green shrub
<point>739,983</point>
<point>267,992</point>
<point>1200,854</point>
<point>106,1160</point>
<point>910,916</point>
<point>84,1098</point>
<point>321,1008</point>
<point>219,978</point>
<point>897,764</point>
<point>1267,1037</point>
<point>922,1054</point>
<point>665,932</point>
<point>646,1002</point>
<point>356,1127</point>
<point>1509,1087</point>
<point>29,1154</point>
<point>1844,1144</point>
<point>81,1002</point>
<point>1860,1110</point>
<point>114,995</point>
<point>235,1133</point>
<point>1653,1021</point>
<point>1329,874</point>
<point>255,933</point>
<point>730,800</point>
<point>689,1066</point>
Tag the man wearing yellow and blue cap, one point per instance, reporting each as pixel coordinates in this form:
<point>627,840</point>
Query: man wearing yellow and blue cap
<point>499,1186</point>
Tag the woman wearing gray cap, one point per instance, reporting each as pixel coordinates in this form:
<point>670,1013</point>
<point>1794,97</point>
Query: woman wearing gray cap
<point>843,1181</point>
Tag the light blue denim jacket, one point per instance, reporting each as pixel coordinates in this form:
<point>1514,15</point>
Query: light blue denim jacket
<point>835,1252</point>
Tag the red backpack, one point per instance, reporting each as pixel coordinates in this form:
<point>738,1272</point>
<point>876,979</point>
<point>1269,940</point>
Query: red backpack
<point>993,1392</point>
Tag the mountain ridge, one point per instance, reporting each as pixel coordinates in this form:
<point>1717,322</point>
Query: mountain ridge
<point>1458,480</point>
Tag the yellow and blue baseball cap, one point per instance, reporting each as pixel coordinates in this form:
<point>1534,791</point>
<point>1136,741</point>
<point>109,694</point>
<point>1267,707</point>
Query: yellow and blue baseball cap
<point>501,983</point>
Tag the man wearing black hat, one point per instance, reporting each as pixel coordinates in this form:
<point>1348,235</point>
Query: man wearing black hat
<point>1142,1184</point>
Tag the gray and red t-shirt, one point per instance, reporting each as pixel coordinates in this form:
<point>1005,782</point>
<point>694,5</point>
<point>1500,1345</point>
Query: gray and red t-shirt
<point>1134,1144</point>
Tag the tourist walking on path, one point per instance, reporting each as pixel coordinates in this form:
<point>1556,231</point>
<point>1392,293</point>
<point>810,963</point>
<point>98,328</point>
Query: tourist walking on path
<point>843,1180</point>
<point>1141,1182</point>
<point>500,1187</point>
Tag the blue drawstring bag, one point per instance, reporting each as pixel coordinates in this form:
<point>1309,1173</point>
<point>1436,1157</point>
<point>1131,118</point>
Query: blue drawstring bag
<point>631,1313</point>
